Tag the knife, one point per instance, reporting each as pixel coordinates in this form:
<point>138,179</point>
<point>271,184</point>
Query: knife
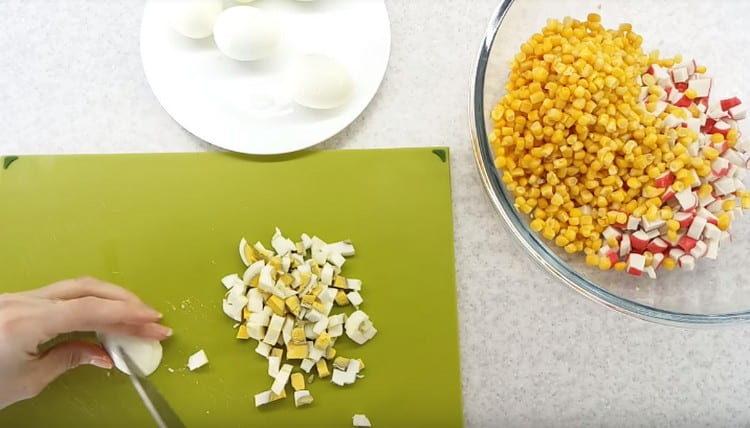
<point>156,404</point>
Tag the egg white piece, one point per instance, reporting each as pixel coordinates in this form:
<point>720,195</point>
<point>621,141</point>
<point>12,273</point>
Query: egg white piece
<point>246,33</point>
<point>193,18</point>
<point>320,82</point>
<point>146,354</point>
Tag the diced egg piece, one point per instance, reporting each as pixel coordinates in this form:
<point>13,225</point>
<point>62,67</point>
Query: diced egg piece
<point>320,82</point>
<point>266,397</point>
<point>234,302</point>
<point>359,328</point>
<point>282,377</point>
<point>231,281</point>
<point>361,421</point>
<point>355,298</point>
<point>302,398</point>
<point>287,303</point>
<point>197,360</point>
<point>246,33</point>
<point>252,271</point>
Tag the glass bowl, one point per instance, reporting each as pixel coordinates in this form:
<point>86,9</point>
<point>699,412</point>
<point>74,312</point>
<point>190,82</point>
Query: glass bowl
<point>716,292</point>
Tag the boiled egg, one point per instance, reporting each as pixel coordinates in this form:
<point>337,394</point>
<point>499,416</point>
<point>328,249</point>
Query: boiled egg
<point>193,18</point>
<point>146,354</point>
<point>320,82</point>
<point>246,33</point>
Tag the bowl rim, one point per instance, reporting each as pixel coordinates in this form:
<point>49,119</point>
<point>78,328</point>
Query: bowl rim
<point>535,248</point>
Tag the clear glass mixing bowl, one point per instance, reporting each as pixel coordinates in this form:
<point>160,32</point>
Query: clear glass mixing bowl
<point>716,292</point>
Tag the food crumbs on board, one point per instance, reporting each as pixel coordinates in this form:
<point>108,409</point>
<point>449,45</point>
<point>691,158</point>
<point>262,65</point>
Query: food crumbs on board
<point>619,154</point>
<point>284,302</point>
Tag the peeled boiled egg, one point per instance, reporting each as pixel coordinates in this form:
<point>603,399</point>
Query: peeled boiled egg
<point>145,353</point>
<point>320,82</point>
<point>193,18</point>
<point>246,33</point>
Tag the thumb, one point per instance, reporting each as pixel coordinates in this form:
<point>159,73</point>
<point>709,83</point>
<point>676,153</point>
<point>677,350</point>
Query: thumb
<point>67,356</point>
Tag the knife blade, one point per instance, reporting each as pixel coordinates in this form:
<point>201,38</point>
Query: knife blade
<point>156,404</point>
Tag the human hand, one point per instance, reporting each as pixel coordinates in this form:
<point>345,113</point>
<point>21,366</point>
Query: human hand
<point>31,318</point>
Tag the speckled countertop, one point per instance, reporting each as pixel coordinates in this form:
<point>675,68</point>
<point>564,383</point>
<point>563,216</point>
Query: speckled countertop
<point>533,352</point>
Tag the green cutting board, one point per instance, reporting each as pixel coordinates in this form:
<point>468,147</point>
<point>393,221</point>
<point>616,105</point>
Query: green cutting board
<point>167,227</point>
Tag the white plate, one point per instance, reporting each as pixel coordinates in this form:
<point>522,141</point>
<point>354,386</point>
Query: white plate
<point>245,106</point>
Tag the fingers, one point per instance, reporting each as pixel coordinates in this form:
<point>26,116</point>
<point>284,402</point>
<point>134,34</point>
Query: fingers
<point>147,331</point>
<point>82,287</point>
<point>96,314</point>
<point>64,357</point>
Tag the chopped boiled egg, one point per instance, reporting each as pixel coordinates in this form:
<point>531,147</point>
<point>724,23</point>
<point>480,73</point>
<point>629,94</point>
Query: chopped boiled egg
<point>197,360</point>
<point>284,300</point>
<point>281,379</point>
<point>360,421</point>
<point>359,328</point>
<point>266,397</point>
<point>302,398</point>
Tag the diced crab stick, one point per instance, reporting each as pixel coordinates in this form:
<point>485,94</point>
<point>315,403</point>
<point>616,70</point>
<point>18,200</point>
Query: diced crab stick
<point>662,76</point>
<point>724,186</point>
<point>675,95</point>
<point>660,107</point>
<point>650,271</point>
<point>712,232</point>
<point>686,243</point>
<point>687,199</point>
<point>696,227</point>
<point>701,86</point>
<point>633,222</point>
<point>684,102</point>
<point>738,113</point>
<point>699,250</point>
<point>664,180</point>
<point>687,262</point>
<point>680,74</point>
<point>636,264</point>
<point>712,250</point>
<point>705,200</point>
<point>671,121</point>
<point>722,127</point>
<point>643,94</point>
<point>728,103</point>
<point>656,261</point>
<point>716,113</point>
<point>610,253</point>
<point>676,253</point>
<point>721,147</point>
<point>652,234</point>
<point>735,158</point>
<point>639,241</point>
<point>625,245</point>
<point>657,245</point>
<point>705,213</point>
<point>611,233</point>
<point>649,225</point>
<point>667,195</point>
<point>720,167</point>
<point>690,65</point>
